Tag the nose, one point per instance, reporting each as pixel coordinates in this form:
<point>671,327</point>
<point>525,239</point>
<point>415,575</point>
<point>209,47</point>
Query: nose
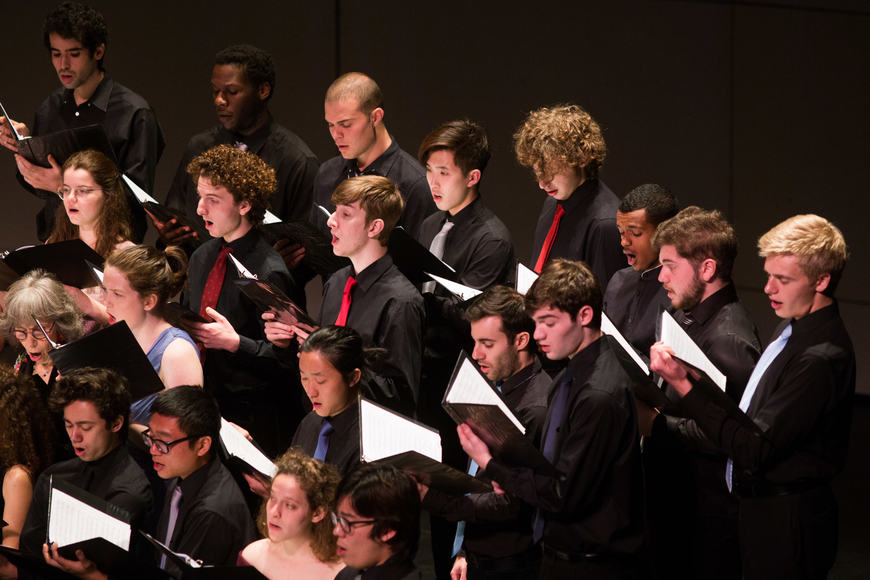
<point>476,354</point>
<point>219,99</point>
<point>542,185</point>
<point>75,434</point>
<point>200,207</point>
<point>331,223</point>
<point>770,286</point>
<point>337,531</point>
<point>64,61</point>
<point>662,277</point>
<point>539,333</point>
<point>623,239</point>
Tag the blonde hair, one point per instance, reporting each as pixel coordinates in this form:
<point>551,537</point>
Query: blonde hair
<point>817,244</point>
<point>377,196</point>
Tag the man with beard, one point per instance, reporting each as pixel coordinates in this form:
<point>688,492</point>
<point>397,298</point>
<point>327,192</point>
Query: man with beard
<point>694,524</point>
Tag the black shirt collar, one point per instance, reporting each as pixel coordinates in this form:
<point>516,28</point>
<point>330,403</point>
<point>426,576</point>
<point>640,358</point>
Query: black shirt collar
<point>466,215</point>
<point>108,461</point>
<point>579,195</point>
<point>521,377</point>
<point>390,570</point>
<point>258,138</point>
<point>191,485</point>
<point>381,165</point>
<point>346,419</point>
<point>714,303</point>
<point>586,357</point>
<point>99,99</point>
<point>651,274</point>
<point>814,320</point>
<point>244,244</point>
<point>375,270</point>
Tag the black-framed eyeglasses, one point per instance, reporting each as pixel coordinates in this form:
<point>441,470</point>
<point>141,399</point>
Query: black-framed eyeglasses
<point>81,191</point>
<point>163,446</point>
<point>347,525</point>
<point>36,333</point>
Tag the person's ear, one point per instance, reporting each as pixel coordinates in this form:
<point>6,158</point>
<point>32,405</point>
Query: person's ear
<point>244,207</point>
<point>150,302</point>
<point>264,91</point>
<point>473,178</point>
<point>387,536</point>
<point>319,514</point>
<point>823,283</point>
<point>355,376</point>
<point>521,340</point>
<point>375,228</point>
<point>203,445</point>
<point>377,116</point>
<point>99,52</point>
<point>707,270</point>
<point>117,424</point>
<point>584,317</point>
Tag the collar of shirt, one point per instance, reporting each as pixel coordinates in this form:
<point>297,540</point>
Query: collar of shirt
<point>191,485</point>
<point>466,215</point>
<point>375,270</point>
<point>389,570</point>
<point>579,195</point>
<point>243,245</point>
<point>381,165</point>
<point>255,140</point>
<point>810,322</point>
<point>343,422</point>
<point>651,275</point>
<point>107,462</point>
<point>99,99</point>
<point>586,358</point>
<point>521,377</point>
<point>713,304</point>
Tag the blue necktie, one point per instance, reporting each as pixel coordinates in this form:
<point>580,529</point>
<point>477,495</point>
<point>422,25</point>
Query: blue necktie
<point>768,357</point>
<point>323,440</point>
<point>557,413</point>
<point>174,504</point>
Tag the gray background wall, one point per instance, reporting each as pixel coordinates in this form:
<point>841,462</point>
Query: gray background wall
<point>758,109</point>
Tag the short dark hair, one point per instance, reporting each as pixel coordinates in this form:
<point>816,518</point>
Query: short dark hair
<point>567,286</point>
<point>698,235</point>
<point>506,304</point>
<point>389,496</point>
<point>468,142</point>
<point>195,409</point>
<point>256,63</point>
<point>343,347</point>
<point>72,20</point>
<point>659,202</point>
<point>105,388</point>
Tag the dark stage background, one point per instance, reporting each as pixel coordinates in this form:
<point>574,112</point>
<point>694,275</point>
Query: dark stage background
<point>756,108</point>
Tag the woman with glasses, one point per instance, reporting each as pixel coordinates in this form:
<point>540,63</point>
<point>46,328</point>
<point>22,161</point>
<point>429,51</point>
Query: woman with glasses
<point>295,522</point>
<point>25,449</point>
<point>95,210</point>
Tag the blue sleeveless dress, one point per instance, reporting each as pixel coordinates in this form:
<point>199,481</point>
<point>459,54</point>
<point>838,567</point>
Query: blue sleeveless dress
<point>139,410</point>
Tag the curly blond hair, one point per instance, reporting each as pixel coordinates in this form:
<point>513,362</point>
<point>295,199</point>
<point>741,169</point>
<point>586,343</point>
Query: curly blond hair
<point>243,174</point>
<point>553,138</point>
<point>318,480</point>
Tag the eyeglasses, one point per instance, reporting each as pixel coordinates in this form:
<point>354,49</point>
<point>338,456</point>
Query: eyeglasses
<point>36,333</point>
<point>347,525</point>
<point>80,191</point>
<point>163,446</point>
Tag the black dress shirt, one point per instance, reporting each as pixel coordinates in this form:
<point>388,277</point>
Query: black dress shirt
<point>213,523</point>
<point>392,569</point>
<point>343,452</point>
<point>294,164</point>
<point>389,313</point>
<point>394,164</point>
<point>499,526</point>
<point>593,504</point>
<point>132,129</point>
<point>802,405</point>
<point>632,304</point>
<point>587,231</point>
<point>115,477</point>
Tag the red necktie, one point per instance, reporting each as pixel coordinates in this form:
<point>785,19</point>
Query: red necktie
<point>214,282</point>
<point>345,302</point>
<point>551,236</point>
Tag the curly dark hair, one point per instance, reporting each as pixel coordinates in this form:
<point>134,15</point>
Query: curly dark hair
<point>113,225</point>
<point>318,480</point>
<point>72,20</point>
<point>105,388</point>
<point>26,431</point>
<point>557,137</point>
<point>256,63</point>
<point>243,174</point>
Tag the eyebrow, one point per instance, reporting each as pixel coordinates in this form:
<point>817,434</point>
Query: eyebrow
<point>80,422</point>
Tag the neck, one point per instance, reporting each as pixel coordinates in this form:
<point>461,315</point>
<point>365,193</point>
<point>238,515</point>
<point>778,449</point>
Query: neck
<point>147,329</point>
<point>262,119</point>
<point>239,232</point>
<point>85,91</point>
<point>295,547</point>
<point>590,335</point>
<point>712,287</point>
<point>471,196</point>
<point>819,301</point>
<point>114,446</point>
<point>200,461</point>
<point>371,253</point>
<point>88,234</point>
<point>382,143</point>
<point>526,358</point>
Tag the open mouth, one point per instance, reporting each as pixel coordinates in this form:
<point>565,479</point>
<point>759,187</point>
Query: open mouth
<point>34,356</point>
<point>334,240</point>
<point>79,450</point>
<point>208,224</point>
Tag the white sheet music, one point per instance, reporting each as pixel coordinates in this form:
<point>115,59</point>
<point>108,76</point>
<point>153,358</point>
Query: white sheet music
<point>464,292</point>
<point>270,218</point>
<point>685,348</point>
<point>238,446</point>
<point>607,327</point>
<point>243,272</point>
<point>384,433</point>
<point>525,278</point>
<point>71,521</point>
<point>470,387</point>
<point>138,191</point>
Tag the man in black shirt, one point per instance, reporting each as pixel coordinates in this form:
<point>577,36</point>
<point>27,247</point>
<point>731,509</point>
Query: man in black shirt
<point>76,36</point>
<point>251,387</point>
<point>355,116</point>
<point>692,515</point>
<point>799,398</point>
<point>590,507</point>
<point>243,82</point>
<point>371,295</point>
<point>565,148</point>
<point>497,533</point>
<point>634,293</point>
<point>377,522</point>
<point>96,407</point>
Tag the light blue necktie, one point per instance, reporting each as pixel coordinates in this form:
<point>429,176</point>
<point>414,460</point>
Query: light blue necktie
<point>174,505</point>
<point>768,357</point>
<point>326,430</point>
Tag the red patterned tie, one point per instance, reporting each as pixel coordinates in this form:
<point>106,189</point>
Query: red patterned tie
<point>214,282</point>
<point>345,302</point>
<point>551,236</point>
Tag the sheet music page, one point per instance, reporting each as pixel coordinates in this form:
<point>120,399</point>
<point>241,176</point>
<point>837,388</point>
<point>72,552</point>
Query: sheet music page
<point>525,278</point>
<point>71,521</point>
<point>607,327</point>
<point>464,292</point>
<point>470,387</point>
<point>384,433</point>
<point>139,192</point>
<point>270,218</point>
<point>686,349</point>
<point>238,446</point>
<point>243,272</point>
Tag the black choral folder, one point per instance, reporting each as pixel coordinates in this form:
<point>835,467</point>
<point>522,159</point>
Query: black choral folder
<point>318,246</point>
<point>113,560</point>
<point>33,565</point>
<point>269,298</point>
<point>67,260</point>
<point>191,569</point>
<point>415,260</point>
<point>165,214</point>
